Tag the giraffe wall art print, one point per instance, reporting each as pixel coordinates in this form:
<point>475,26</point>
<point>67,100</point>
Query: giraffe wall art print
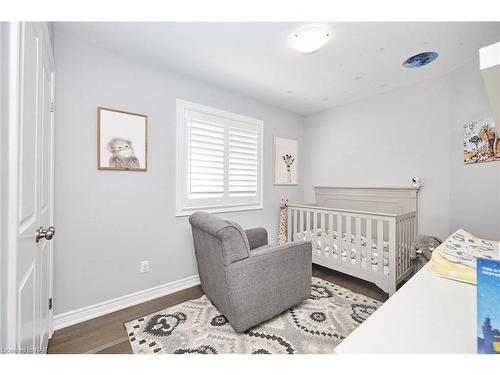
<point>285,161</point>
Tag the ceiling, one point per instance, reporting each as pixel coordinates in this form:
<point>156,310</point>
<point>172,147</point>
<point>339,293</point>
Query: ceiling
<point>359,60</point>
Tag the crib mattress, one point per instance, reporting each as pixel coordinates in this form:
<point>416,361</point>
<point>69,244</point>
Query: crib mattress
<point>331,249</point>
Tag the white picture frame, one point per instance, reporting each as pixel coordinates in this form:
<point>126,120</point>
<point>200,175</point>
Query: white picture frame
<point>121,140</point>
<point>285,160</point>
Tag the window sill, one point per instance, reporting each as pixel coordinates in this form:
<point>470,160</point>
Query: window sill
<point>214,210</point>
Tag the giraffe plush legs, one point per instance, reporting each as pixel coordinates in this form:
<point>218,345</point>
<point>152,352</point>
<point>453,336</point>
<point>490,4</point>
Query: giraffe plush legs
<point>282,238</point>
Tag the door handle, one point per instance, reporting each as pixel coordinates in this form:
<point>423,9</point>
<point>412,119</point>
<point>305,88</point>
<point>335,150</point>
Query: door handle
<point>48,233</point>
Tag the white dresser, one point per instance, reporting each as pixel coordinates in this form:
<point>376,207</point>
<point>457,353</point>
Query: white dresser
<point>429,314</point>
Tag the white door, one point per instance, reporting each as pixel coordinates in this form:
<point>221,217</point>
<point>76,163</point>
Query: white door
<point>35,189</point>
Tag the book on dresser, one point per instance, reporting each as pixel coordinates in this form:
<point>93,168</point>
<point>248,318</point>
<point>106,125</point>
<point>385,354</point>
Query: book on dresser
<point>488,306</point>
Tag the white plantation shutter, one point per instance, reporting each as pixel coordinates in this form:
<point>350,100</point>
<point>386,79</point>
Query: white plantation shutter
<point>205,144</point>
<point>218,160</point>
<point>243,163</point>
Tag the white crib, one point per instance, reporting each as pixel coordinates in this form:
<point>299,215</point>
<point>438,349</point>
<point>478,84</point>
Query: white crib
<point>364,232</point>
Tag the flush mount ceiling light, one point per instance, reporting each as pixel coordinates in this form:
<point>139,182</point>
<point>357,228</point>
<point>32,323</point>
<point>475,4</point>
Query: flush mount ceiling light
<point>310,39</point>
<point>420,60</point>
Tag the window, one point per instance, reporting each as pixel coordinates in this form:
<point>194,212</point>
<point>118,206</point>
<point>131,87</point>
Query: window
<point>219,160</point>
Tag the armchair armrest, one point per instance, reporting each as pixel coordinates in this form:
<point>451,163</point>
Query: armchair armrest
<point>289,248</point>
<point>256,237</point>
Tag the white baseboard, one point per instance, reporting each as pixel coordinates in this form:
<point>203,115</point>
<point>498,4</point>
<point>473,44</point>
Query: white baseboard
<point>102,308</point>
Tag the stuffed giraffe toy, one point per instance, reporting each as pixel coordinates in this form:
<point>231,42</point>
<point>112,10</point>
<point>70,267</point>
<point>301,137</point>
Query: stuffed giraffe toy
<point>282,239</point>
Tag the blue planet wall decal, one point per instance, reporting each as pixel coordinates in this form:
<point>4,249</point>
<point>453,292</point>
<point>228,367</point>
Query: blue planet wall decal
<point>420,60</point>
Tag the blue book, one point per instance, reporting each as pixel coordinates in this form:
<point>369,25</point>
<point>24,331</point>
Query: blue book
<point>488,306</point>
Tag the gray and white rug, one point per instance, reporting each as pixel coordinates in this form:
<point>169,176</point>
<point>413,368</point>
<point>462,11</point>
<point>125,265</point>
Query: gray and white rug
<point>317,325</point>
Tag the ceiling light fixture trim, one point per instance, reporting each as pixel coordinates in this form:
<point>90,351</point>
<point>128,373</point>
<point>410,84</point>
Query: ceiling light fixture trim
<point>309,40</point>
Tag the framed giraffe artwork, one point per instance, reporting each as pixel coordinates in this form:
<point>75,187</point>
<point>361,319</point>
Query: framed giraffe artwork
<point>285,160</point>
<point>481,141</point>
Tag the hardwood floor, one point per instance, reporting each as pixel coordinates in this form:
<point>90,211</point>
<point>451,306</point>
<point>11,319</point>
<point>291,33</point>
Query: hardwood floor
<point>107,335</point>
<point>350,282</point>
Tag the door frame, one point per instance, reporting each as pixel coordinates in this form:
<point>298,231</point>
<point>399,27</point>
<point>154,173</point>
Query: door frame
<point>10,102</point>
<point>4,103</point>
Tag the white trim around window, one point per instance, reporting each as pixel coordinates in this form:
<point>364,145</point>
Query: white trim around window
<point>218,160</point>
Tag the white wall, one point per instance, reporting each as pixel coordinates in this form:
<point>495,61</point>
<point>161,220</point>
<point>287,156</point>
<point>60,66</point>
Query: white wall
<point>414,131</point>
<point>474,189</point>
<point>108,221</point>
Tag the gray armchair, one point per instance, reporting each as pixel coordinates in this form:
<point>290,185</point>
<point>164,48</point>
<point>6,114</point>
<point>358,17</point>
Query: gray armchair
<point>248,280</point>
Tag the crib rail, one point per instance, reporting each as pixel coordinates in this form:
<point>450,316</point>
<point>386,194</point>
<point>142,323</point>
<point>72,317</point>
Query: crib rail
<point>372,246</point>
<point>406,226</point>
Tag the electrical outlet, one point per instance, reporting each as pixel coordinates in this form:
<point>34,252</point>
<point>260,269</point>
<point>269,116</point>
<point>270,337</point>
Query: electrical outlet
<point>145,266</point>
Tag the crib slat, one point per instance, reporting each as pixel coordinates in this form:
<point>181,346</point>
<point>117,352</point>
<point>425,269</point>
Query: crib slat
<point>301,212</point>
<point>295,222</point>
<point>339,238</point>
<point>289,224</point>
<point>392,253</point>
<point>315,222</point>
<point>308,221</point>
<point>358,242</point>
<point>408,242</point>
<point>314,231</point>
<point>348,238</point>
<point>412,235</point>
<point>380,247</point>
<point>401,244</point>
<point>322,234</point>
<point>369,244</point>
<point>405,240</point>
<point>330,234</point>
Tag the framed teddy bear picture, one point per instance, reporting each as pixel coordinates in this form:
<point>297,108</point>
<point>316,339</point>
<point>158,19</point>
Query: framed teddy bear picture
<point>121,140</point>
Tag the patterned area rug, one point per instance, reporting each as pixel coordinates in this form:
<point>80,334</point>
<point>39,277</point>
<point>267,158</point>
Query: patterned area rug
<point>317,325</point>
